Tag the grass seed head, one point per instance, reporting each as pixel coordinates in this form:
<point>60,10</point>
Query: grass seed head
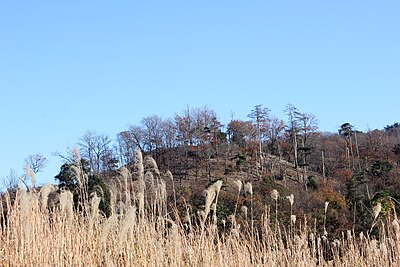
<point>275,194</point>
<point>326,206</point>
<point>238,184</point>
<point>376,210</point>
<point>151,164</point>
<point>66,204</point>
<point>44,195</point>
<point>168,175</point>
<point>30,173</point>
<point>293,219</point>
<point>248,188</point>
<point>139,167</point>
<point>76,154</point>
<point>396,226</point>
<point>291,199</point>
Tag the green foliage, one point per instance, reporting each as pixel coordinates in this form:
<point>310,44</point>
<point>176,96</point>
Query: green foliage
<point>312,183</point>
<point>380,168</point>
<point>346,129</point>
<point>67,179</point>
<point>353,194</point>
<point>386,201</point>
<point>240,159</point>
<point>392,127</point>
<point>96,184</point>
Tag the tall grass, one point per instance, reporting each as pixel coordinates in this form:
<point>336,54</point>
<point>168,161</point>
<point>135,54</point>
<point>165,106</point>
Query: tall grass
<point>142,232</point>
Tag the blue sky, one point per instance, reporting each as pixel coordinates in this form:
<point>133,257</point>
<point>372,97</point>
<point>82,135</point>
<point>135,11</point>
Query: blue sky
<point>71,66</point>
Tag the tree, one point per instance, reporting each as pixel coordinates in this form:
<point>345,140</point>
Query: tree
<point>36,162</point>
<point>185,128</point>
<point>396,151</point>
<point>152,127</point>
<point>274,133</point>
<point>307,126</point>
<point>169,133</point>
<point>346,130</point>
<point>84,182</point>
<point>208,133</point>
<point>68,178</point>
<point>130,140</point>
<point>380,168</point>
<point>260,117</point>
<point>11,181</point>
<point>393,127</point>
<point>96,150</point>
<point>293,129</point>
<point>240,132</point>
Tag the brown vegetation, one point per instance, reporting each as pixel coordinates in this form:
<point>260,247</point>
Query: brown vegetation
<point>143,231</point>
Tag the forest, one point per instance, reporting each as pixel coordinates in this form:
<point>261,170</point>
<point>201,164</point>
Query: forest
<point>264,179</point>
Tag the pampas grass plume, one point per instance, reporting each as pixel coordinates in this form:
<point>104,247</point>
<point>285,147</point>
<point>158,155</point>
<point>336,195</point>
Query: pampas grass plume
<point>169,176</point>
<point>94,204</point>
<point>291,199</point>
<point>248,188</point>
<point>44,195</point>
<point>275,194</point>
<point>76,154</point>
<point>326,206</point>
<point>293,219</point>
<point>238,184</point>
<point>217,186</point>
<point>396,225</point>
<point>139,164</point>
<point>30,174</point>
<point>151,164</point>
<point>376,210</point>
<point>66,204</point>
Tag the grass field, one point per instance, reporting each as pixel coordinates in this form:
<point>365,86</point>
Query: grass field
<point>144,231</point>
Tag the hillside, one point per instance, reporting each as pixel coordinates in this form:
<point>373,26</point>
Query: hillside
<point>333,180</point>
<point>193,173</point>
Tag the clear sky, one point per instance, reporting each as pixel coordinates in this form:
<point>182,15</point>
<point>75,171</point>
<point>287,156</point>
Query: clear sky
<point>71,66</point>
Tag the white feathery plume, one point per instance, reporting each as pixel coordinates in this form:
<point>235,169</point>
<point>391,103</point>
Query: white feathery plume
<point>326,206</point>
<point>291,199</point>
<point>275,194</point>
<point>248,188</point>
<point>376,210</point>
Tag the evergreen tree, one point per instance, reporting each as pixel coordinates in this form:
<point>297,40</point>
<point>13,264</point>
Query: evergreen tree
<point>92,183</point>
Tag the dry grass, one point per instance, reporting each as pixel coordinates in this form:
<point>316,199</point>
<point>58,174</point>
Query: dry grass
<point>32,234</point>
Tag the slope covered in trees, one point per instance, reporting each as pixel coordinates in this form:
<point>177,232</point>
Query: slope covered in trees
<point>351,170</point>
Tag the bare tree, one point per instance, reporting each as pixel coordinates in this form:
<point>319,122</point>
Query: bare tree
<point>185,127</point>
<point>36,162</point>
<point>137,137</point>
<point>95,148</point>
<point>240,132</point>
<point>11,181</point>
<point>274,133</point>
<point>152,126</point>
<point>125,148</point>
<point>169,133</point>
